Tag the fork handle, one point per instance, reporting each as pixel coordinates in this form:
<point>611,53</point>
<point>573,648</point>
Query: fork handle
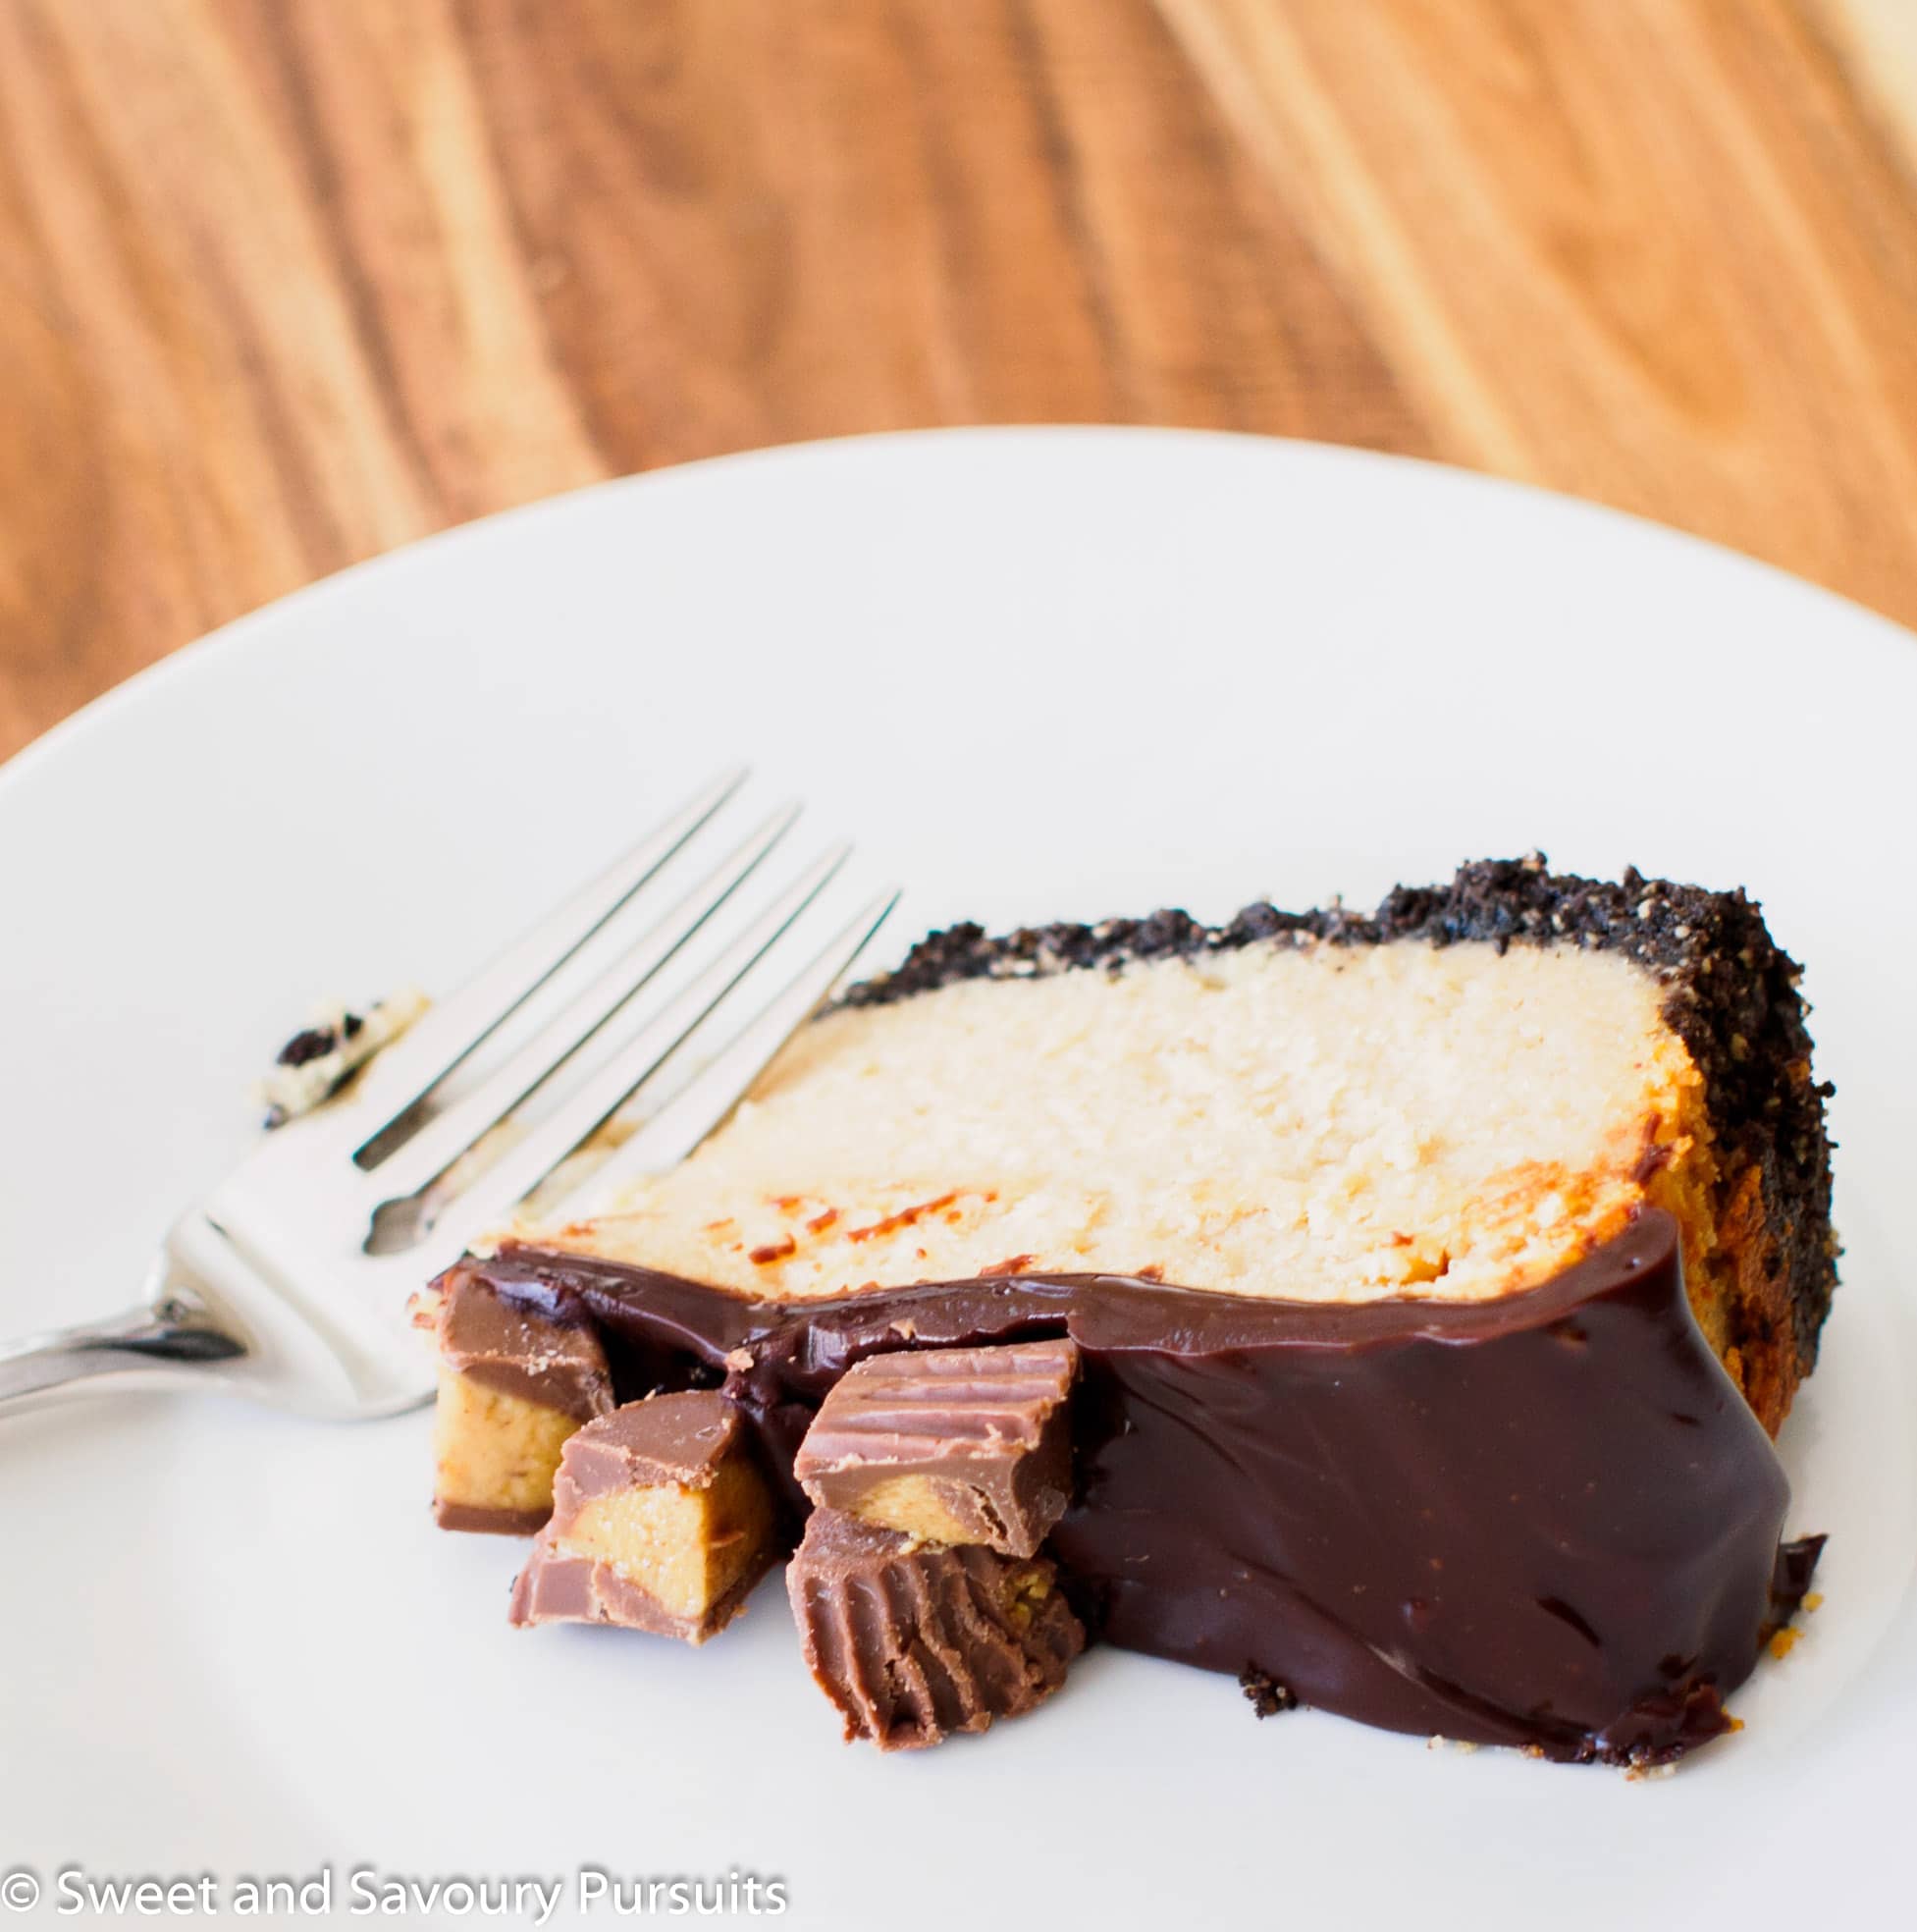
<point>159,1341</point>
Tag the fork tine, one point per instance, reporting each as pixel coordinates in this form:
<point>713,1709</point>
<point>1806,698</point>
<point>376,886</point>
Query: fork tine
<point>670,1134</point>
<point>407,1070</point>
<point>442,1141</point>
<point>524,1165</point>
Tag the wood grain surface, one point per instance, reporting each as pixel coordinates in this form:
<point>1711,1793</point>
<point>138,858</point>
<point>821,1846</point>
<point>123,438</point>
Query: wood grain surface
<point>284,283</point>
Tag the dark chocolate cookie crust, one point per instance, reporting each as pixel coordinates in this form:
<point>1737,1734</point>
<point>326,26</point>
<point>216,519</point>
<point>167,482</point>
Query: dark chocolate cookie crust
<point>1731,995</point>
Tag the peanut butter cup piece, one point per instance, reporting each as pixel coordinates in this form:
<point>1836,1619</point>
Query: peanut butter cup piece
<point>514,1385</point>
<point>660,1522</point>
<point>950,1445</point>
<point>913,1642</point>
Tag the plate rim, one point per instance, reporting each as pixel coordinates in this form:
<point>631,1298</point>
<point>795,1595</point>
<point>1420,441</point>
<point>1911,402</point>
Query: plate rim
<point>237,633</point>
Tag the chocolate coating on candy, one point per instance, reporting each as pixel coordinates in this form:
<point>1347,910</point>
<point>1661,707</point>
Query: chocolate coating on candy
<point>487,1520</point>
<point>680,1439</point>
<point>1546,1520</point>
<point>955,1445</point>
<point>504,1344</point>
<point>556,1589</point>
<point>913,1642</point>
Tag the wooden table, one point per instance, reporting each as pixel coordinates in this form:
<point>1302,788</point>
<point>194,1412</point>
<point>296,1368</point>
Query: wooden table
<point>284,283</point>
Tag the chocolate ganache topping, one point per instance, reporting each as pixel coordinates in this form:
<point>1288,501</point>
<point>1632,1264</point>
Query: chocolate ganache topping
<point>1548,1521</point>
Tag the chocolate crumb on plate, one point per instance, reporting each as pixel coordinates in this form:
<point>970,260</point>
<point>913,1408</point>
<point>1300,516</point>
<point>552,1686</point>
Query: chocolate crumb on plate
<point>1269,1696</point>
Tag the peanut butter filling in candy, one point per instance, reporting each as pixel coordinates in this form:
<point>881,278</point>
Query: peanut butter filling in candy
<point>514,1385</point>
<point>913,1642</point>
<point>950,1445</point>
<point>660,1522</point>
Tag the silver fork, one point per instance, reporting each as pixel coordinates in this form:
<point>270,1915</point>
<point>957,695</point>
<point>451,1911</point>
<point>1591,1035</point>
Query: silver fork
<point>290,1281</point>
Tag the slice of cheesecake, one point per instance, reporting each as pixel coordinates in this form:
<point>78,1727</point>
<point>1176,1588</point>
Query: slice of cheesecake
<point>1394,1218</point>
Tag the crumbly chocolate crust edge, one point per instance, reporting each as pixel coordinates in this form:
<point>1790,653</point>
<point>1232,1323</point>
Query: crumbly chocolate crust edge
<point>1731,995</point>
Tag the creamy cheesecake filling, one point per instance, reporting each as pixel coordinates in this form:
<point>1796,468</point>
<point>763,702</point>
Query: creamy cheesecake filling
<point>1312,1122</point>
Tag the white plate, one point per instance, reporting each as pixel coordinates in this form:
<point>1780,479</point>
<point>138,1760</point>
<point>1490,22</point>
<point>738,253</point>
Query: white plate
<point>1043,672</point>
